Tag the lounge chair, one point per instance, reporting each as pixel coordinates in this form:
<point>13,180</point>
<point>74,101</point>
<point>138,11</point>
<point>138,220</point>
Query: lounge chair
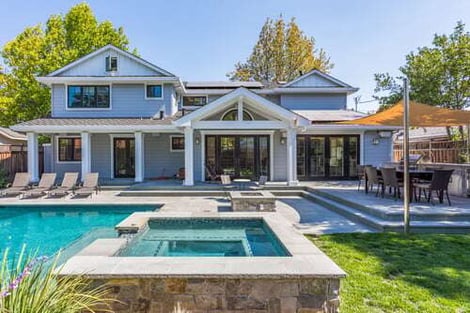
<point>69,183</point>
<point>20,184</point>
<point>90,185</point>
<point>45,184</point>
<point>226,182</point>
<point>261,183</point>
<point>211,173</point>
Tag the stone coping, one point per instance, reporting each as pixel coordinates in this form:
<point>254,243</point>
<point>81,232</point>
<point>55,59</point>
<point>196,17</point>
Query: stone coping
<point>251,194</point>
<point>306,260</point>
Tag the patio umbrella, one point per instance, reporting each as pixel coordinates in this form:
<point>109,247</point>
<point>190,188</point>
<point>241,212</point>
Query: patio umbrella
<point>409,113</point>
<point>421,115</point>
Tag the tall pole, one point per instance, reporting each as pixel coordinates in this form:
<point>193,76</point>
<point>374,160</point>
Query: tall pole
<point>406,156</point>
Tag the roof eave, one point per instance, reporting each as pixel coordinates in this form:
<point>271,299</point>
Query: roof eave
<point>47,80</point>
<point>45,129</point>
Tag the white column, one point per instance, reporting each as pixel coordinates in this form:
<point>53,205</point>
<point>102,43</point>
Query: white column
<point>86,154</point>
<point>139,157</point>
<point>188,157</point>
<point>33,157</point>
<point>291,157</point>
<point>240,109</point>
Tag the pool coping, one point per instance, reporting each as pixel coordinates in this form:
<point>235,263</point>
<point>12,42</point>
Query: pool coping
<point>306,261</point>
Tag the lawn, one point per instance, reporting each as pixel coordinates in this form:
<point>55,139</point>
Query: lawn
<point>396,273</point>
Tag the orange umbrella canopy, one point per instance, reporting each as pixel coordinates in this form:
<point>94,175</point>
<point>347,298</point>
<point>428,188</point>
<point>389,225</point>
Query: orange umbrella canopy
<point>421,115</point>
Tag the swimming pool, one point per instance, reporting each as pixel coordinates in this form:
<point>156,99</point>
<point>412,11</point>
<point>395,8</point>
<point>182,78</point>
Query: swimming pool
<point>205,237</point>
<point>48,228</point>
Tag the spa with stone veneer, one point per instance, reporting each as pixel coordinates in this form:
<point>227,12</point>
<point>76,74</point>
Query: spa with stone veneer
<point>249,262</point>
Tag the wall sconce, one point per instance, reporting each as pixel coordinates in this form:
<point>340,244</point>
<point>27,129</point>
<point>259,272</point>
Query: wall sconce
<point>375,141</point>
<point>198,140</point>
<point>283,138</point>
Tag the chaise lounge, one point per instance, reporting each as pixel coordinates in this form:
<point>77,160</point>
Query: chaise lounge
<point>20,184</point>
<point>69,183</point>
<point>45,184</point>
<point>90,185</point>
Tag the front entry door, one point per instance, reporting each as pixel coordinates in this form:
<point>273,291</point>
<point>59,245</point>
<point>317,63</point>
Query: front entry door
<point>124,157</point>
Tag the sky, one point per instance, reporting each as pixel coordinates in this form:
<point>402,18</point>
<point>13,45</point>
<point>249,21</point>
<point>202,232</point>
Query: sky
<point>202,40</point>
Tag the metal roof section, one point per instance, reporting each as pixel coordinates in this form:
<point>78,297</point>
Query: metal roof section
<point>222,84</point>
<point>329,115</point>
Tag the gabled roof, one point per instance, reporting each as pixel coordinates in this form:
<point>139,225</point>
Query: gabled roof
<point>10,134</point>
<point>317,116</point>
<point>250,96</point>
<point>116,49</point>
<point>315,72</point>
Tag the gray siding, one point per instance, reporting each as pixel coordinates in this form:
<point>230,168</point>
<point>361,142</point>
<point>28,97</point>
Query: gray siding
<point>280,158</point>
<point>127,100</point>
<point>376,154</point>
<point>96,66</point>
<point>101,155</point>
<point>159,159</point>
<point>314,101</point>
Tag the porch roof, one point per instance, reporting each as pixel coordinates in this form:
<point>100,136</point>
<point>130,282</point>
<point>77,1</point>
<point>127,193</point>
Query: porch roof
<point>51,125</point>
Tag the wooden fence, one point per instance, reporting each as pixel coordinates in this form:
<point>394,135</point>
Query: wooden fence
<point>435,151</point>
<point>17,161</point>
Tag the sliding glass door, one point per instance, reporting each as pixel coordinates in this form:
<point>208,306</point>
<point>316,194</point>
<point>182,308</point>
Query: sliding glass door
<point>240,156</point>
<point>327,157</point>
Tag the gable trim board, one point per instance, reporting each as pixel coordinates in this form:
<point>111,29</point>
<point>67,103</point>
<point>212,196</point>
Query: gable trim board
<point>248,96</point>
<point>117,50</point>
<point>320,74</point>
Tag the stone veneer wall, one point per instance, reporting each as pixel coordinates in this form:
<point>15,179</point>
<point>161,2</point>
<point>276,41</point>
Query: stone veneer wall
<point>224,295</point>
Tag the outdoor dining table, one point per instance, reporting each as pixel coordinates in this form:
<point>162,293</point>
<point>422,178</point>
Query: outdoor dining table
<point>414,174</point>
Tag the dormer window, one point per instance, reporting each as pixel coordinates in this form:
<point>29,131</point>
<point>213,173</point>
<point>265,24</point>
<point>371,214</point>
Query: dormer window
<point>111,64</point>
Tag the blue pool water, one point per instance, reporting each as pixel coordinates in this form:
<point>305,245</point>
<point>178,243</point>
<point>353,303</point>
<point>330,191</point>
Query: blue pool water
<point>50,228</point>
<point>206,237</point>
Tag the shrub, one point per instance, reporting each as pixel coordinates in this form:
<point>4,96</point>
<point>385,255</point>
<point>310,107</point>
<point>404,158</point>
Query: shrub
<point>3,178</point>
<point>30,284</point>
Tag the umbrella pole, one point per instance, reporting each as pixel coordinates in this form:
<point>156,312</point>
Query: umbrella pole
<point>406,158</point>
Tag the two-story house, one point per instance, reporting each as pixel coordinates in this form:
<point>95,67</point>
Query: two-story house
<point>121,116</point>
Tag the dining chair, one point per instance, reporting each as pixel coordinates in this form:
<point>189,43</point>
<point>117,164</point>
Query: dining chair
<point>373,178</point>
<point>390,180</point>
<point>439,183</point>
<point>361,175</point>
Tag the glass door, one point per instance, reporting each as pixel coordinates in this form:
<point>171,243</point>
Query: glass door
<point>263,156</point>
<point>301,160</point>
<point>336,157</point>
<point>227,155</point>
<point>246,156</point>
<point>124,157</point>
<point>317,156</point>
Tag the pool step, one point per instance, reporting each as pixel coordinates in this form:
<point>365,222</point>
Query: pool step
<point>378,223</point>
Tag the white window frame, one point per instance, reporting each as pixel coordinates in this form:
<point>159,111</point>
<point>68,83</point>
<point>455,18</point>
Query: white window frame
<point>88,109</point>
<point>236,110</point>
<point>56,141</point>
<point>171,143</point>
<point>152,98</point>
<point>117,64</point>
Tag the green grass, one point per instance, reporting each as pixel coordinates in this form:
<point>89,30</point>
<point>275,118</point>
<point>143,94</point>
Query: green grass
<point>396,273</point>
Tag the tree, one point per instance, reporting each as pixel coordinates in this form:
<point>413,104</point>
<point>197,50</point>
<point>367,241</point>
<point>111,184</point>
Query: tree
<point>282,53</point>
<point>439,75</point>
<point>40,50</point>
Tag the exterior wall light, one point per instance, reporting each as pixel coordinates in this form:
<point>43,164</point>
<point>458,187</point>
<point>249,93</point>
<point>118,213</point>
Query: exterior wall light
<point>283,138</point>
<point>198,140</point>
<point>375,141</point>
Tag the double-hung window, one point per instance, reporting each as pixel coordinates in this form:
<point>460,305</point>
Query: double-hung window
<point>153,92</point>
<point>88,97</point>
<point>69,149</point>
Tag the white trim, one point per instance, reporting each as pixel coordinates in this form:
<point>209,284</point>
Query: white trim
<point>240,110</point>
<point>362,147</point>
<point>48,129</point>
<point>188,156</point>
<point>109,79</point>
<point>56,148</point>
<point>85,153</point>
<point>254,125</point>
<point>203,156</point>
<point>152,98</point>
<point>321,74</point>
<point>110,86</point>
<point>271,156</point>
<point>33,156</point>
<point>139,156</point>
<point>237,132</point>
<point>111,144</point>
<point>119,51</point>
<point>171,143</point>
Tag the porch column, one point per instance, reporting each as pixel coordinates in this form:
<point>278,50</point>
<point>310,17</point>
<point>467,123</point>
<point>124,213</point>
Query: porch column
<point>86,154</point>
<point>33,157</point>
<point>292,157</point>
<point>139,157</point>
<point>188,157</point>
